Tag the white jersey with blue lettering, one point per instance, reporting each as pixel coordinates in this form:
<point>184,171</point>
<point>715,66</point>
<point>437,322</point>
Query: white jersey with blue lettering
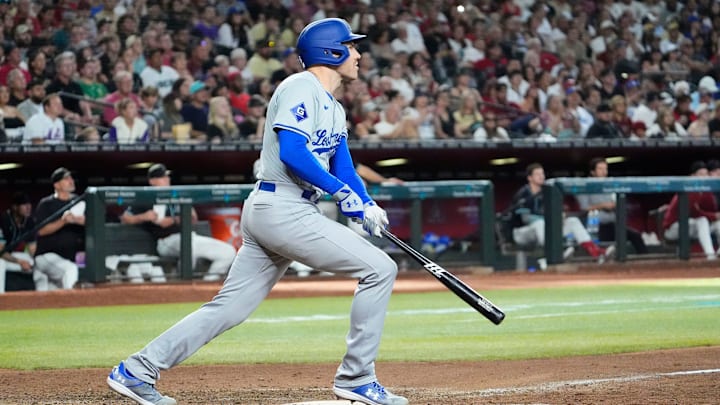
<point>300,104</point>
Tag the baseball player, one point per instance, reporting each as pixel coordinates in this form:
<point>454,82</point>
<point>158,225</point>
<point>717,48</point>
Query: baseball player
<point>304,155</point>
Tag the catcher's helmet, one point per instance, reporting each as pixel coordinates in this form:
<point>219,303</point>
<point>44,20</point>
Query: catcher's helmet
<point>322,42</point>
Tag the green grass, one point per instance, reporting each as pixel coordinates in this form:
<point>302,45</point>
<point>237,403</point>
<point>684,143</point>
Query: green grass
<point>549,322</point>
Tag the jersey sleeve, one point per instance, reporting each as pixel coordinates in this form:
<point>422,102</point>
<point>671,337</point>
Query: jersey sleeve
<point>297,108</point>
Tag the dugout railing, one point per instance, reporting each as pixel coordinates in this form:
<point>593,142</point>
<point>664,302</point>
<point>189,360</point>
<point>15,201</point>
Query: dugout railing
<point>98,198</point>
<point>556,189</point>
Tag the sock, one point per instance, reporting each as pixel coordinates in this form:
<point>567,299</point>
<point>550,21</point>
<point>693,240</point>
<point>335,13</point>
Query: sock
<point>593,249</point>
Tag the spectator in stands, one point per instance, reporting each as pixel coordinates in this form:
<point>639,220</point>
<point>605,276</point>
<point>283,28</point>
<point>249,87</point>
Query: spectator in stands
<point>65,71</point>
<point>251,128</point>
<point>393,125</point>
<point>714,124</point>
<point>13,60</point>
<point>15,223</point>
<point>17,86</point>
<point>181,88</point>
<point>408,35</point>
<point>530,104</point>
<point>158,75</point>
<point>603,127</point>
<point>493,65</point>
<point>195,111</point>
<point>443,119</point>
<point>33,104</point>
<point>467,117</point>
<point>605,204</point>
<point>673,40</point>
<point>399,82</point>
<point>150,110</point>
<point>266,28</point>
<point>365,128</point>
<point>620,116</point>
<point>179,63</point>
<point>237,94</point>
<point>529,220</point>
<point>13,121</point>
<point>490,131</point>
<point>233,32</point>
<point>463,86</point>
<point>238,63</point>
<point>88,135</point>
<point>130,57</point>
<point>423,112</point>
<point>264,89</point>
<point>124,82</point>
<point>558,121</point>
<point>89,80</point>
<point>164,221</point>
<point>706,90</point>
<point>206,24</point>
<point>110,52</point>
<point>37,64</point>
<point>647,111</point>
<point>704,217</point>
<point>683,113</point>
<point>128,127</point>
<point>262,64</point>
<point>639,131</point>
<point>516,87</point>
<point>126,27</point>
<point>473,52</point>
<point>46,127</point>
<point>674,64</point>
<point>609,86</point>
<point>699,128</point>
<point>573,101</point>
<point>290,64</point>
<point>221,123</point>
<point>170,116</point>
<point>666,127</point>
<point>60,240</point>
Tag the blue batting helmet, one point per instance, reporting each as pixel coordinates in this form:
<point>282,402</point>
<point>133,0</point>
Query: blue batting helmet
<point>322,42</point>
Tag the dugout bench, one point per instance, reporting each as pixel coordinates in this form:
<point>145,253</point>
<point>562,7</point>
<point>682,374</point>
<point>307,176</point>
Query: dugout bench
<point>135,244</point>
<point>97,236</point>
<point>555,189</point>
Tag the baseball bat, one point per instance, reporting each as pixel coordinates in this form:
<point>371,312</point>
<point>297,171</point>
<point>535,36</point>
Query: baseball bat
<point>454,284</point>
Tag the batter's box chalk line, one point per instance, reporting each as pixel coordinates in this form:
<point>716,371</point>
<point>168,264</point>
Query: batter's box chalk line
<point>339,402</point>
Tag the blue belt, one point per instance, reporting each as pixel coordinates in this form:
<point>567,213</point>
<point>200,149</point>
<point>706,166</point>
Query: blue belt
<point>306,194</point>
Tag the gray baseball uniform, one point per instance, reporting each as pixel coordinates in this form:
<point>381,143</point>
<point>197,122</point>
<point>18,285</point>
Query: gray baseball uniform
<point>281,223</point>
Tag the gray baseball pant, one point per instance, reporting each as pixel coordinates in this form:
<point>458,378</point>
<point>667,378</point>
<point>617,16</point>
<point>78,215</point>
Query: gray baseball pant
<point>280,227</point>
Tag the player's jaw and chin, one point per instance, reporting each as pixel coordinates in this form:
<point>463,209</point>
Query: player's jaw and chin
<point>350,68</point>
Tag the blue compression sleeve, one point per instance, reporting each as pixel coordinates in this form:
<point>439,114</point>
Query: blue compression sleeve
<point>341,165</point>
<point>298,158</point>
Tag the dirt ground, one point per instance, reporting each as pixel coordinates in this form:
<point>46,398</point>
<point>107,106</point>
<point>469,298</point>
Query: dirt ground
<point>687,376</point>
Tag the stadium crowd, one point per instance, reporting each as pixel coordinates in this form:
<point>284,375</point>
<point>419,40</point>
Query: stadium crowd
<point>200,71</point>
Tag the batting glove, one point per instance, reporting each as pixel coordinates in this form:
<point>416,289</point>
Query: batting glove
<point>375,219</point>
<point>349,203</point>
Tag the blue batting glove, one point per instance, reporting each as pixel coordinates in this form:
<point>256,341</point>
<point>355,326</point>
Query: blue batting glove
<point>350,203</point>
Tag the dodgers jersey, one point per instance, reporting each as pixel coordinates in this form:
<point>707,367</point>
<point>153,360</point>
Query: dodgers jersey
<point>300,104</point>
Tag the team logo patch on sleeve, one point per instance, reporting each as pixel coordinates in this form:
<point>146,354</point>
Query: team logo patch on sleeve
<point>299,112</point>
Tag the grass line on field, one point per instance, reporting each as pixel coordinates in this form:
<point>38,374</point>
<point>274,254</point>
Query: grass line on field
<point>541,322</point>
